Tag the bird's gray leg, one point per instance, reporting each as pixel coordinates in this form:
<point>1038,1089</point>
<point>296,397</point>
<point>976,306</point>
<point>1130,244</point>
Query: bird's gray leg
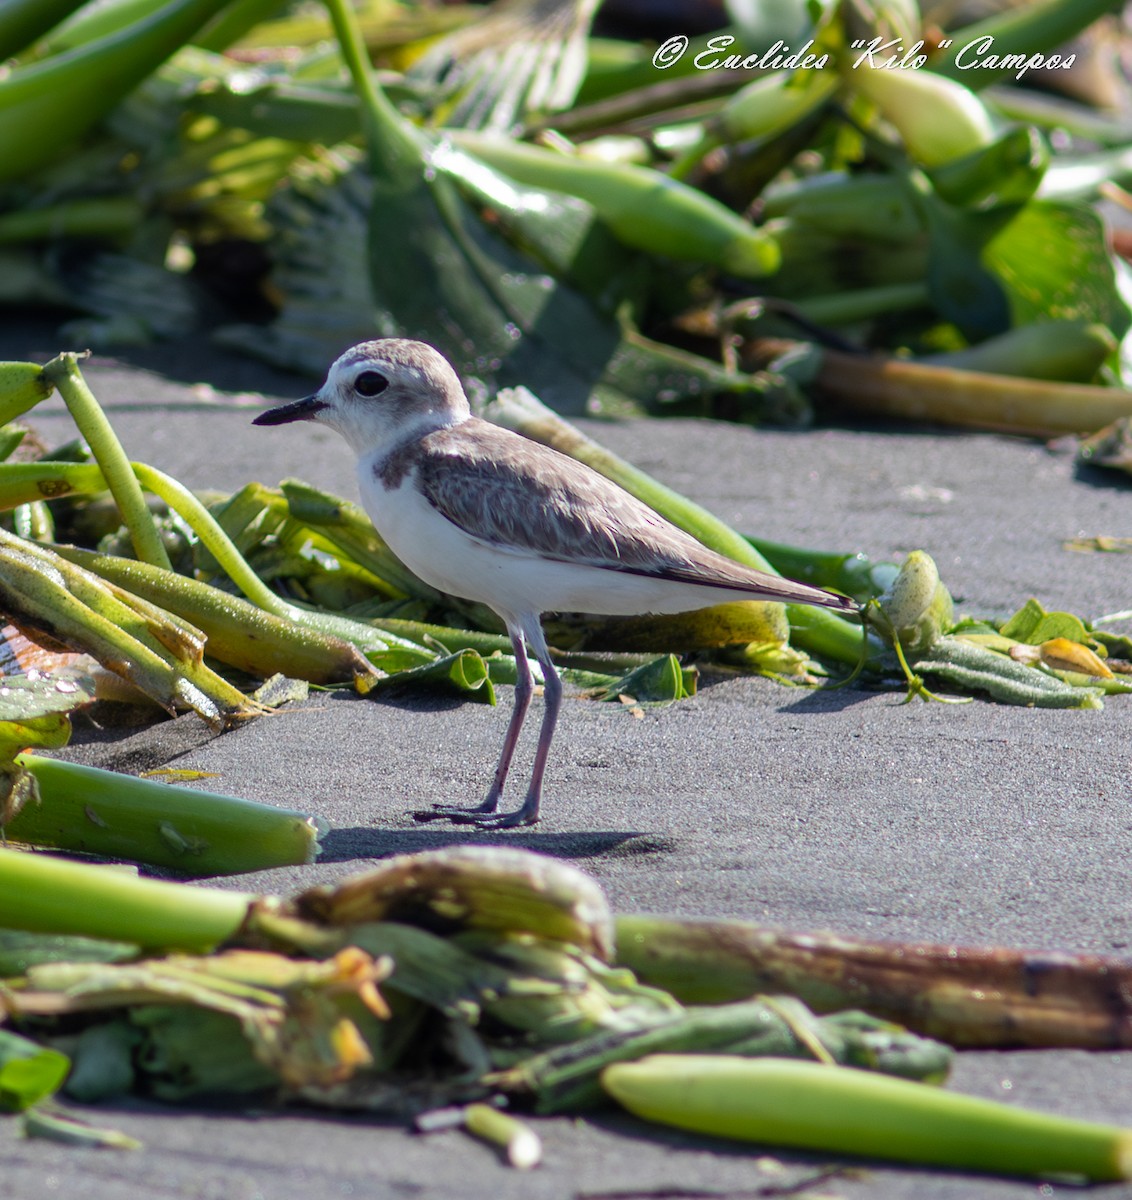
<point>524,690</point>
<point>527,814</point>
<point>552,695</point>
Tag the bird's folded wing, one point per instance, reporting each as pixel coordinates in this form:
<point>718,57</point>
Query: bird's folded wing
<point>525,498</point>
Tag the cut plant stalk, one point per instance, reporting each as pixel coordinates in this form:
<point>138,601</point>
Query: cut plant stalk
<point>63,373</point>
<point>645,209</point>
<point>518,409</point>
<point>220,545</point>
<point>971,399</point>
<point>49,895</point>
<point>854,574</point>
<point>154,651</point>
<point>86,810</point>
<point>845,1111</point>
<point>520,1146</point>
<point>237,632</point>
<point>991,997</point>
<point>55,1125</point>
<point>24,482</point>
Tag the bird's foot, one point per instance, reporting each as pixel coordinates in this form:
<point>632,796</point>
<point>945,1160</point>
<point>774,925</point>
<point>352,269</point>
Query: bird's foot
<point>481,817</point>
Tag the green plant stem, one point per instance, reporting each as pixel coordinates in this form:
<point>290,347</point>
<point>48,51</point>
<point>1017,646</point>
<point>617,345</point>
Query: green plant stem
<point>394,151</point>
<point>835,1110</point>
<point>239,633</point>
<point>515,1139</point>
<point>218,543</point>
<point>48,895</point>
<point>185,829</point>
<point>864,304</point>
<point>232,562</point>
<point>63,373</point>
<point>27,482</point>
<point>94,216</point>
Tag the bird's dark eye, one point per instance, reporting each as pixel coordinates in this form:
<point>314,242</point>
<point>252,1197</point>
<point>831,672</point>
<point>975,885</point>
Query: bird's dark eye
<point>370,383</point>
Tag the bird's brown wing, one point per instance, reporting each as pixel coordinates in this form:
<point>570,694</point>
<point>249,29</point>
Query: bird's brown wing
<point>517,495</point>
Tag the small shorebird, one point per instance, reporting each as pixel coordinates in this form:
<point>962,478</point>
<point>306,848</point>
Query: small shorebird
<point>483,513</point>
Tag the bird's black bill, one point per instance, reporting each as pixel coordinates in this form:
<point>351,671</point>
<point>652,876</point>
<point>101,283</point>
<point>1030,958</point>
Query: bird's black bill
<point>299,410</point>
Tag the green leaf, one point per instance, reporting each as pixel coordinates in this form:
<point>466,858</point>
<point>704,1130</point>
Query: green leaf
<point>34,711</point>
<point>465,671</point>
<point>190,1052</point>
<point>561,232</point>
<point>961,286</point>
<point>1008,171</point>
<point>659,681</point>
<point>971,667</point>
<point>1033,625</point>
<point>1053,261</point>
<point>28,1073</point>
<point>1017,265</point>
<point>20,950</point>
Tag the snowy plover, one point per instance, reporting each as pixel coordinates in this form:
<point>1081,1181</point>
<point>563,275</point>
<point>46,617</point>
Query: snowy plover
<point>483,513</point>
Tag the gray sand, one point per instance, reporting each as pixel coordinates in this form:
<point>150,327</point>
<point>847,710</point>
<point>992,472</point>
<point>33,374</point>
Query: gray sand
<point>843,810</point>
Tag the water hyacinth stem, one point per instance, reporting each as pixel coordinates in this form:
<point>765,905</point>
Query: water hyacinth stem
<point>967,995</point>
<point>845,1111</point>
<point>48,895</point>
<point>224,550</point>
<point>184,829</point>
<point>63,373</point>
<point>238,632</point>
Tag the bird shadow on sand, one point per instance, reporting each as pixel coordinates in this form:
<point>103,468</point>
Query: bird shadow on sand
<point>358,842</point>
